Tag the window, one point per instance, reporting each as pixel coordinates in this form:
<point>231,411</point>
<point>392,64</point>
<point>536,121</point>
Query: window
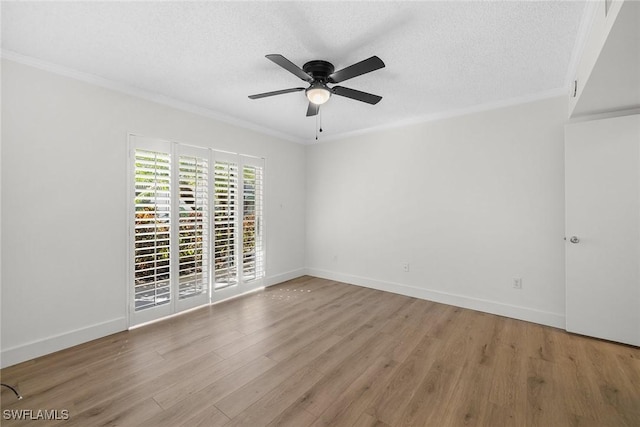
<point>252,256</point>
<point>193,244</point>
<point>197,226</point>
<point>225,223</point>
<point>152,257</point>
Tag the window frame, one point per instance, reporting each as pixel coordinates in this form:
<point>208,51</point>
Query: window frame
<point>176,305</point>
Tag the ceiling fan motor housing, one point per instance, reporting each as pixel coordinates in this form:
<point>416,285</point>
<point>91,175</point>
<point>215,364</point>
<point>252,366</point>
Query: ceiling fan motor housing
<point>319,70</point>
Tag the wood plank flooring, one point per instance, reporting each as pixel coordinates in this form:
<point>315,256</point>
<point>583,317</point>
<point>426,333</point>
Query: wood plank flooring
<point>313,352</point>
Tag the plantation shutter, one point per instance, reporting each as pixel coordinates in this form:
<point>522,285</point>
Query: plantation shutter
<point>225,219</point>
<point>196,226</point>
<point>193,233</point>
<point>252,242</point>
<point>152,228</point>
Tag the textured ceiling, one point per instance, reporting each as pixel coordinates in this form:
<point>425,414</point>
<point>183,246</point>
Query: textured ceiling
<point>440,56</point>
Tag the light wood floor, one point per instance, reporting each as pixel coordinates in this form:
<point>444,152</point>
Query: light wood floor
<point>313,352</point>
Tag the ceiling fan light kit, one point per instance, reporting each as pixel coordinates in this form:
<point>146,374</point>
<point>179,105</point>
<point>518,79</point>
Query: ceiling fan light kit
<point>321,73</point>
<point>318,93</point>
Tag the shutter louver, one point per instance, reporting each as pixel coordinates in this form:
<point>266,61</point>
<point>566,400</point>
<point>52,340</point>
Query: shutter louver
<point>193,240</point>
<point>252,253</point>
<point>225,229</point>
<point>152,258</point>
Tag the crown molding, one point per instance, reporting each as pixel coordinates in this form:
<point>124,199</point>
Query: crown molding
<point>512,102</point>
<point>141,93</point>
<point>202,111</point>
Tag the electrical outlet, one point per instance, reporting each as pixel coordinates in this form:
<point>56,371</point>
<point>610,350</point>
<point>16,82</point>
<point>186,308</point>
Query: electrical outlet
<point>405,267</point>
<point>517,283</point>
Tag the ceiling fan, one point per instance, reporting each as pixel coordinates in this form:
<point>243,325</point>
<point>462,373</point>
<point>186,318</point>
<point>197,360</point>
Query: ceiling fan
<point>320,73</point>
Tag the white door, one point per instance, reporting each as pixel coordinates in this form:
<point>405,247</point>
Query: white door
<point>238,244</point>
<point>169,228</point>
<point>602,184</point>
<point>191,238</point>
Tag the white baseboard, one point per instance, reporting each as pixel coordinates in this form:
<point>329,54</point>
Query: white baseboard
<point>556,320</point>
<point>21,353</point>
<point>31,350</point>
<point>283,277</point>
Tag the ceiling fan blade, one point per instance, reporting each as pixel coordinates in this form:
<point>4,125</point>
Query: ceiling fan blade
<point>356,94</point>
<point>276,92</point>
<point>313,109</point>
<point>289,66</point>
<point>357,69</point>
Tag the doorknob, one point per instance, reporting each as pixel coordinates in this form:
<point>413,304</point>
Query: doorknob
<point>574,239</point>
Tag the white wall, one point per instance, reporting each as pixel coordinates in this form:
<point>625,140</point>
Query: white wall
<point>64,224</point>
<point>470,202</point>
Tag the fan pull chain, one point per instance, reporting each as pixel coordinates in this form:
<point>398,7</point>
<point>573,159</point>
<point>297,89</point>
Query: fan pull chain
<point>318,123</point>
